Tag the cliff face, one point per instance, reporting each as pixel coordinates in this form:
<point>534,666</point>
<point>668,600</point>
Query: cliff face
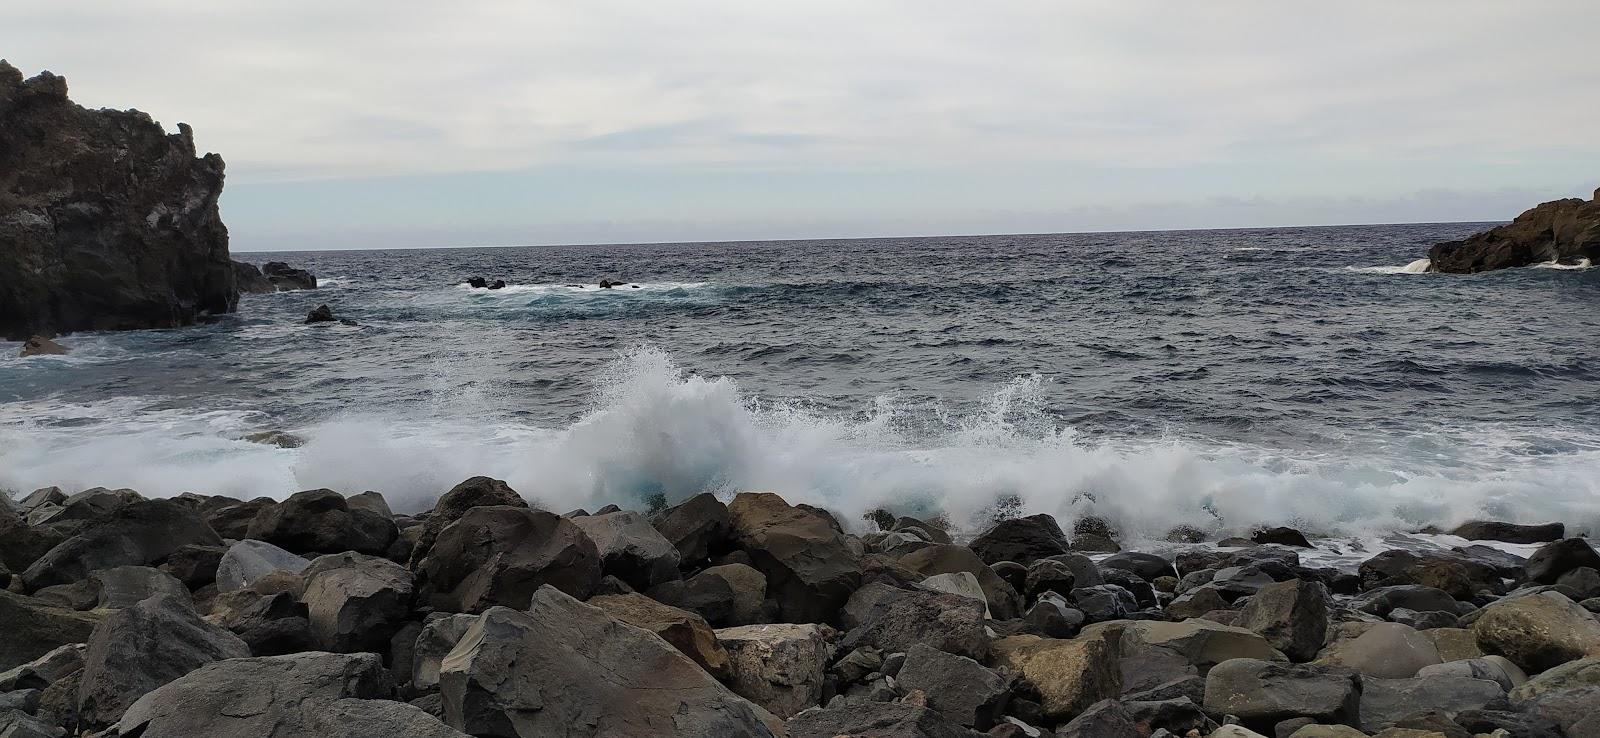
<point>1564,231</point>
<point>107,222</point>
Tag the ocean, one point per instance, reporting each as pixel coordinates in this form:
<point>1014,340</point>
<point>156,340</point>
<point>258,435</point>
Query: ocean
<point>1223,379</point>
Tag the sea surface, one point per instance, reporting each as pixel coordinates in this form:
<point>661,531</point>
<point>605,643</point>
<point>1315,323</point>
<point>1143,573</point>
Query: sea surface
<point>1215,378</point>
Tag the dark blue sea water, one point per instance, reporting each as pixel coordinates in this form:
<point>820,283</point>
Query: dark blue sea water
<point>1215,377</point>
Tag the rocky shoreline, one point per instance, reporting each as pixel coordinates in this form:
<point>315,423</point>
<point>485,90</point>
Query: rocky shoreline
<point>323,615</point>
<point>1562,232</point>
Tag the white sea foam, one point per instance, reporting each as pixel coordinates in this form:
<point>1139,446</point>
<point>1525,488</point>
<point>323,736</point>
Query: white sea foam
<point>1420,266</point>
<point>335,281</point>
<point>1581,264</point>
<point>655,429</point>
<point>584,290</point>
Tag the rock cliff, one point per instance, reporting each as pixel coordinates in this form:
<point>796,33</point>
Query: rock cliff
<point>107,222</point>
<point>1563,231</point>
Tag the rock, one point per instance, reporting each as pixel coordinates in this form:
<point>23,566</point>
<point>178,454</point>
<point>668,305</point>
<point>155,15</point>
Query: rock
<point>1539,631</point>
<point>320,314</point>
<point>567,669</point>
<point>113,221</point>
<point>1281,536</point>
<point>1203,643</point>
<point>45,670</point>
<point>1384,600</point>
<point>249,279</point>
<point>1148,567</point>
<point>1582,581</point>
<point>932,531</point>
<point>630,549</point>
<point>355,602</point>
<point>1385,701</point>
<point>711,596</point>
<point>1552,560</point>
<point>697,527</point>
<point>1052,617</point>
<point>477,282</point>
<point>1424,620</point>
<point>15,723</point>
<point>1049,575</point>
<point>950,623</point>
<point>957,687</point>
<point>125,586</point>
<point>249,560</point>
<point>749,588</point>
<point>1454,644</point>
<point>233,521</point>
<point>1004,603</point>
<point>42,496</point>
<point>1154,673</point>
<point>877,720</point>
<point>809,568</point>
<point>1385,651</point>
<point>137,649</point>
<point>139,533</point>
<point>1104,719</point>
<point>1485,530</point>
<point>371,502</point>
<point>1196,602</point>
<point>286,278</point>
<point>307,694</point>
<point>684,630</point>
<point>961,583</point>
<point>1516,725</point>
<point>440,634</point>
<point>321,521</point>
<point>473,492</point>
<point>1292,616</point>
<point>1262,693</point>
<point>1566,677</point>
<point>273,625</point>
<point>1104,602</point>
<point>1454,573</point>
<point>22,544</point>
<point>1496,669</point>
<point>1564,231</point>
<point>1070,675</point>
<point>42,346</point>
<point>1575,712</point>
<point>195,566</point>
<point>501,555</point>
<point>33,629</point>
<point>779,667</point>
<point>1023,540</point>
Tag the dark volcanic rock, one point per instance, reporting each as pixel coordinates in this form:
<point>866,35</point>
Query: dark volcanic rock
<point>320,314</point>
<point>140,648</point>
<point>1023,540</point>
<point>108,222</point>
<point>322,521</point>
<point>1281,536</point>
<point>138,533</point>
<point>876,719</point>
<point>284,277</point>
<point>698,526</point>
<point>33,628</point>
<point>1552,560</point>
<point>1261,693</point>
<point>1562,230</point>
<point>810,569</point>
<point>1484,530</point>
<point>474,492</point>
<point>250,280</point>
<point>501,555</point>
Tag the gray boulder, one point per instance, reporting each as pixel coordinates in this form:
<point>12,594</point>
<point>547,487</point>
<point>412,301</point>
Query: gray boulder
<point>33,628</point>
<point>16,723</point>
<point>697,527</point>
<point>1023,540</point>
<point>1488,530</point>
<point>1292,616</point>
<point>322,521</point>
<point>1263,693</point>
<point>1496,669</point>
<point>1385,701</point>
<point>474,492</point>
<point>440,634</point>
<point>1538,631</point>
<point>630,549</point>
<point>810,568</point>
<point>126,586</point>
<point>779,667</point>
<point>355,602</point>
<point>1385,651</point>
<point>501,555</point>
<point>137,649</point>
<point>45,670</point>
<point>249,560</point>
<point>1552,560</point>
<point>948,622</point>
<point>141,532</point>
<point>957,687</point>
<point>878,720</point>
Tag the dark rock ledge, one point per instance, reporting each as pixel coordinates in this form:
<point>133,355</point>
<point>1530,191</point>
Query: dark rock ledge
<point>1562,231</point>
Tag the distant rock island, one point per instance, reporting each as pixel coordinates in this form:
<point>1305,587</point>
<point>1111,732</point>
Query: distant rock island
<point>1562,231</point>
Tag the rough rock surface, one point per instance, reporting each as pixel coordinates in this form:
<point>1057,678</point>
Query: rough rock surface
<point>249,560</point>
<point>896,622</point>
<point>1385,701</point>
<point>685,630</point>
<point>140,648</point>
<point>1539,631</point>
<point>501,555</point>
<point>139,532</point>
<point>698,526</point>
<point>810,569</point>
<point>957,687</point>
<point>1070,674</point>
<point>108,222</point>
<point>630,549</point>
<point>1262,693</point>
<point>33,628</point>
<point>878,720</point>
<point>355,602</point>
<point>779,667</point>
<point>1560,230</point>
<point>322,521</point>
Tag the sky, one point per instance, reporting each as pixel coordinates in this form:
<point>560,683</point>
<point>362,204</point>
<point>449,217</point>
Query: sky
<point>494,122</point>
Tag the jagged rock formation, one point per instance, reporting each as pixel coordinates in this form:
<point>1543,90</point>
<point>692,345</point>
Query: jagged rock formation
<point>274,276</point>
<point>1562,231</point>
<point>107,222</point>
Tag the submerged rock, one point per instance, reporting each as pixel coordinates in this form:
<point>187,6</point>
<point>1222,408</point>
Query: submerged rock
<point>42,346</point>
<point>108,221</point>
<point>1564,231</point>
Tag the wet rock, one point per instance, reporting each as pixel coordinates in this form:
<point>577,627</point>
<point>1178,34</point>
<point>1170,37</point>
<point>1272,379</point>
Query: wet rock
<point>779,667</point>
<point>114,220</point>
<point>125,586</point>
<point>950,623</point>
<point>1281,536</point>
<point>285,278</point>
<point>1143,594</point>
<point>1292,616</point>
<point>477,282</point>
<point>320,314</point>
<point>42,346</point>
<point>1104,602</point>
<point>810,569</point>
<point>1454,573</point>
<point>684,630</point>
<point>1386,651</point>
<point>876,719</point>
<point>932,531</point>
<point>1023,540</point>
<point>565,668</point>
<point>472,492</point>
<point>1385,702</point>
<point>1384,600</point>
<point>697,527</point>
<point>322,521</point>
<point>33,628</point>
<point>355,602</point>
<point>249,279</point>
<point>1148,567</point>
<point>1583,582</point>
<point>195,566</point>
<point>247,561</point>
<point>1052,617</point>
<point>139,648</point>
<point>45,670</point>
<point>1104,719</point>
<point>502,555</point>
<point>630,549</point>
<point>1564,231</point>
<point>1196,602</point>
<point>1070,675</point>
<point>957,687</point>
<point>1496,669</point>
<point>1262,693</point>
<point>1049,575</point>
<point>138,533</point>
<point>233,521</point>
<point>711,596</point>
<point>1488,530</point>
<point>1203,643</point>
<point>1004,602</point>
<point>22,544</point>
<point>1539,631</point>
<point>1552,560</point>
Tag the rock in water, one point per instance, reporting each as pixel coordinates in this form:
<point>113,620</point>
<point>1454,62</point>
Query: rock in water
<point>108,222</point>
<point>1564,231</point>
<point>284,277</point>
<point>565,669</point>
<point>320,314</point>
<point>42,346</point>
<point>250,280</point>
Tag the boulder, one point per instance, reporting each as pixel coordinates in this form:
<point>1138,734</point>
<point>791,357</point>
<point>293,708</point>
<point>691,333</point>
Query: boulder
<point>195,566</point>
<point>810,569</point>
<point>749,588</point>
<point>779,667</point>
<point>371,502</point>
<point>1383,600</point>
<point>1515,725</point>
<point>306,694</point>
<point>355,602</point>
<point>1385,651</point>
<point>1292,616</point>
<point>1455,573</point>
<point>1148,567</point>
<point>1049,575</point>
<point>1564,231</point>
<point>564,668</point>
<point>1103,603</point>
<point>113,221</point>
<point>1552,560</point>
<point>249,279</point>
<point>272,625</point>
<point>685,630</point>
<point>139,648</point>
<point>1454,644</point>
<point>1281,536</point>
<point>285,278</point>
<point>33,629</point>
<point>957,687</point>
<point>1052,617</point>
<point>140,532</point>
<point>697,527</point>
<point>471,493</point>
<point>1070,675</point>
<point>711,596</point>
<point>321,521</point>
<point>22,544</point>
<point>1263,693</point>
<point>233,521</point>
<point>1198,601</point>
<point>1104,719</point>
<point>1488,530</point>
<point>895,623</point>
<point>125,586</point>
<point>961,583</point>
<point>1575,712</point>
<point>630,549</point>
<point>17,723</point>
<point>1496,669</point>
<point>1202,642</point>
<point>1570,676</point>
<point>1538,631</point>
<point>1385,702</point>
<point>501,555</point>
<point>1004,603</point>
<point>1023,540</point>
<point>1582,583</point>
<point>439,636</point>
<point>247,561</point>
<point>877,720</point>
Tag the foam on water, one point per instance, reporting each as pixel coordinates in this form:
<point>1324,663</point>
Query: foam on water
<point>1582,264</point>
<point>1420,266</point>
<point>654,429</point>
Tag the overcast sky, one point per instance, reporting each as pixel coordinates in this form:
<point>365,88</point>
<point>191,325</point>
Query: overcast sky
<point>401,123</point>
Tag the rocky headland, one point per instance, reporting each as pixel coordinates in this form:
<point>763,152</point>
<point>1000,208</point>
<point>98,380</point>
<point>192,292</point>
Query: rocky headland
<point>1561,232</point>
<point>325,615</point>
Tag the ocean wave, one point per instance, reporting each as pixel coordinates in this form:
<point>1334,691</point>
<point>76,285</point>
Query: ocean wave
<point>585,290</point>
<point>1581,265</point>
<point>1420,266</point>
<point>653,429</point>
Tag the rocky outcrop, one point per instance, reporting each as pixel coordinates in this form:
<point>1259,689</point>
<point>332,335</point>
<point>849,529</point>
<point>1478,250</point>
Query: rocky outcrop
<point>107,222</point>
<point>1563,231</point>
